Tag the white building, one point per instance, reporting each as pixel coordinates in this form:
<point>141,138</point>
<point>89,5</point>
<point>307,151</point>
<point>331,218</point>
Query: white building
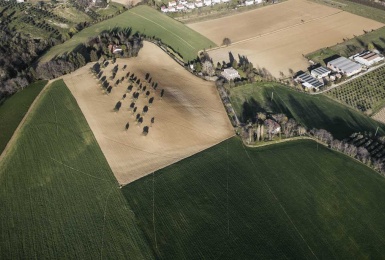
<point>345,66</point>
<point>207,2</point>
<point>172,9</point>
<point>368,58</point>
<point>190,6</point>
<point>183,2</point>
<point>225,1</point>
<point>171,4</point>
<point>249,2</point>
<point>180,7</point>
<point>320,72</point>
<point>198,3</point>
<point>230,74</point>
<point>164,9</point>
<point>258,2</point>
<point>216,2</point>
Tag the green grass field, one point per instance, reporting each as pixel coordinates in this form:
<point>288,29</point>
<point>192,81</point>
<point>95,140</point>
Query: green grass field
<point>295,200</point>
<point>145,20</point>
<point>316,111</point>
<point>12,111</point>
<point>58,196</point>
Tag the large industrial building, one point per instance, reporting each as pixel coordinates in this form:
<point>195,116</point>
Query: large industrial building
<point>344,66</point>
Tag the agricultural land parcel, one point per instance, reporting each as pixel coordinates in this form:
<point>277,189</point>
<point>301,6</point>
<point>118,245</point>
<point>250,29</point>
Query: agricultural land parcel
<point>276,37</point>
<point>287,201</point>
<point>142,19</point>
<point>312,111</point>
<point>12,111</point>
<point>58,196</point>
<point>189,118</point>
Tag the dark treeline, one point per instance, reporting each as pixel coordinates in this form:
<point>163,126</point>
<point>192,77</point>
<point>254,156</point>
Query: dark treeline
<point>17,52</point>
<point>115,43</point>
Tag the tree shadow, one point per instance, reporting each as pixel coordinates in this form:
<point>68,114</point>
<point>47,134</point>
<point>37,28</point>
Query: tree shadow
<point>250,109</point>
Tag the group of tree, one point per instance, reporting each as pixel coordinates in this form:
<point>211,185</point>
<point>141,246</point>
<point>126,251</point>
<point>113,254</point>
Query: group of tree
<point>98,47</point>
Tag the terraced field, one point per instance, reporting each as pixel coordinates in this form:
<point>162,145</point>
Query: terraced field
<point>312,111</point>
<point>290,201</point>
<point>58,196</point>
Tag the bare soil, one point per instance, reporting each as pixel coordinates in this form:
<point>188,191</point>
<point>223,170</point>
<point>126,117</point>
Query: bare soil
<point>189,118</point>
<point>276,37</point>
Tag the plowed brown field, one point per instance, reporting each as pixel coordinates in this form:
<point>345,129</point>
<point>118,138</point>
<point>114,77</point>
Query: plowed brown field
<point>276,37</point>
<point>189,118</point>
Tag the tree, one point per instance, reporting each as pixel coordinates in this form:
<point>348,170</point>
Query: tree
<point>198,67</point>
<point>146,129</point>
<point>137,117</point>
<point>127,126</point>
<point>129,88</point>
<point>162,93</point>
<point>117,106</point>
<point>134,111</point>
<point>226,41</point>
<point>152,120</point>
<point>140,120</point>
<point>234,64</point>
<point>80,59</point>
<point>208,68</point>
<point>151,100</point>
<point>132,105</point>
<point>370,46</point>
<point>124,96</point>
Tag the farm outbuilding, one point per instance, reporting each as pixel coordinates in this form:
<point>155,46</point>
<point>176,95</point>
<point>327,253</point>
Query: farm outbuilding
<point>368,58</point>
<point>320,72</point>
<point>308,81</point>
<point>344,66</point>
<point>230,74</point>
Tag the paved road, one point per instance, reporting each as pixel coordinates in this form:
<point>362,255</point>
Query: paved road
<point>348,80</point>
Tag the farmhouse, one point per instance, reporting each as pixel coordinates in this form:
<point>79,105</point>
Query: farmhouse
<point>368,58</point>
<point>190,6</point>
<point>198,3</point>
<point>179,7</point>
<point>172,3</point>
<point>230,74</point>
<point>249,2</point>
<point>164,9</point>
<point>320,72</point>
<point>207,2</point>
<point>344,66</point>
<point>172,9</point>
<point>309,81</point>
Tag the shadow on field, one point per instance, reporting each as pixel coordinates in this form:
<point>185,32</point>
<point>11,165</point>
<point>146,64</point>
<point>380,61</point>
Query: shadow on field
<point>250,110</point>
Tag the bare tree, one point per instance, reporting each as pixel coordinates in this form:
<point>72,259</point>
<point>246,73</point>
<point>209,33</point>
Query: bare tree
<point>152,120</point>
<point>226,41</point>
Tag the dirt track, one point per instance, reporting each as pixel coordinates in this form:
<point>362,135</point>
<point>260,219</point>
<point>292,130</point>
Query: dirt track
<point>188,119</point>
<point>276,37</point>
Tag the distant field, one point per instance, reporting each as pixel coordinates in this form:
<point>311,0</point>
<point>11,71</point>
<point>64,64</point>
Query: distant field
<point>312,111</point>
<point>58,196</point>
<point>287,201</point>
<point>278,36</point>
<point>145,20</point>
<point>12,111</point>
<point>189,118</point>
<point>365,93</point>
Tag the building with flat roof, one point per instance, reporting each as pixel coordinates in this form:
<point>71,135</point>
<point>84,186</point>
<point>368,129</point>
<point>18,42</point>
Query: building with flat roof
<point>308,81</point>
<point>344,66</point>
<point>320,72</point>
<point>368,58</point>
<point>230,74</point>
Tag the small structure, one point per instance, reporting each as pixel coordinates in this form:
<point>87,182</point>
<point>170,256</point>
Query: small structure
<point>183,2</point>
<point>171,4</point>
<point>308,81</point>
<point>320,72</point>
<point>344,66</point>
<point>179,7</point>
<point>230,74</point>
<point>368,58</point>
<point>258,2</point>
<point>198,3</point>
<point>216,2</point>
<point>190,6</point>
<point>249,2</point>
<point>225,1</point>
<point>171,9</point>
<point>164,9</point>
<point>207,2</point>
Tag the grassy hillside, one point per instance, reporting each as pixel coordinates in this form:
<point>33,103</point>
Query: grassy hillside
<point>148,21</point>
<point>58,196</point>
<point>12,111</point>
<point>295,201</point>
<point>312,111</point>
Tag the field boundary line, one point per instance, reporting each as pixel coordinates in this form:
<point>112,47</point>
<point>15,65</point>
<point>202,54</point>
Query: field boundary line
<point>164,29</point>
<point>178,160</point>
<point>275,31</point>
<point>280,204</point>
<point>16,133</point>
<point>104,223</point>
